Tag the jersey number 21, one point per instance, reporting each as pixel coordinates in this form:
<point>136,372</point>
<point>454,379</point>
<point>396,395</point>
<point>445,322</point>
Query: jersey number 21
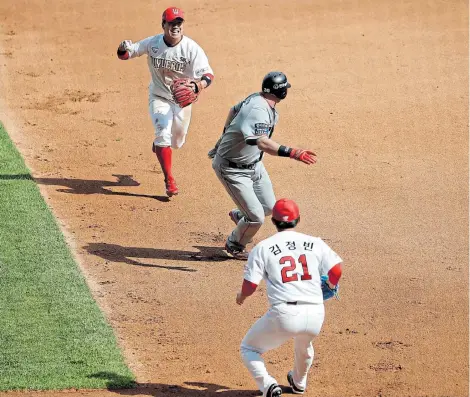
<point>286,278</point>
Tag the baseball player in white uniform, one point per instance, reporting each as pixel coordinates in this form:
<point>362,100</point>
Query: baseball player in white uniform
<point>237,160</point>
<point>170,56</point>
<point>292,265</point>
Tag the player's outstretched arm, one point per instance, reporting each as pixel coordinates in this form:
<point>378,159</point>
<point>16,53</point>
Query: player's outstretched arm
<point>275,149</point>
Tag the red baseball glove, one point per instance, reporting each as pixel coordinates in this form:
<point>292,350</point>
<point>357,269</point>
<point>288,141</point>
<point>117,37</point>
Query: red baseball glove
<point>185,91</point>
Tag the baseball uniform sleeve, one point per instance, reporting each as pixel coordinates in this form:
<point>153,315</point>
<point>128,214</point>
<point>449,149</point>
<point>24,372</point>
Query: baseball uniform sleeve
<point>200,64</point>
<point>140,48</point>
<point>254,269</point>
<point>255,125</point>
<point>329,258</point>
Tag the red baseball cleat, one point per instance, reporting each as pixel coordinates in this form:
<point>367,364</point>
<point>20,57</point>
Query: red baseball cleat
<point>171,188</point>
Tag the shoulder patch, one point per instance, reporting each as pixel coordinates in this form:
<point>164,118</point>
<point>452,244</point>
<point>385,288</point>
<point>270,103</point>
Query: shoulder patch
<point>201,71</point>
<point>262,129</point>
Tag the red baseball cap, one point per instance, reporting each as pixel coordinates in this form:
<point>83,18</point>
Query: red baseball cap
<point>172,13</point>
<point>285,210</point>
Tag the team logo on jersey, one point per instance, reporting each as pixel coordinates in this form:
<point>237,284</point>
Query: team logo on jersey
<point>162,63</point>
<point>155,49</point>
<point>201,71</point>
<point>262,129</point>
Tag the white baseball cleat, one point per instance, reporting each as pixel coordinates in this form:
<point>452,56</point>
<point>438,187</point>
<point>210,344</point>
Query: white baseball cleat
<point>295,389</point>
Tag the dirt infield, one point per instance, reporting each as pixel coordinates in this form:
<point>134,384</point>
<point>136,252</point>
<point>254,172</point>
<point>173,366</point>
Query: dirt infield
<point>379,91</point>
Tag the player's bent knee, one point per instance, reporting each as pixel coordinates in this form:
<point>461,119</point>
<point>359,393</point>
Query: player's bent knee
<point>255,219</point>
<point>256,216</point>
<point>177,145</point>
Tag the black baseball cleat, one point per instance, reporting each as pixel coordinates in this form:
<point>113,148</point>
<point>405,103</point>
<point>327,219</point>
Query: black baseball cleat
<point>274,391</point>
<point>237,253</point>
<point>294,388</point>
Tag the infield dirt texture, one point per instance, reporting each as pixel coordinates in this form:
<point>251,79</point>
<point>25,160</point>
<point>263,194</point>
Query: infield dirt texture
<point>379,91</point>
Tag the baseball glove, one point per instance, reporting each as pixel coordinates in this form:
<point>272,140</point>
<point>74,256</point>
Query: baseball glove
<point>185,91</point>
<point>328,292</point>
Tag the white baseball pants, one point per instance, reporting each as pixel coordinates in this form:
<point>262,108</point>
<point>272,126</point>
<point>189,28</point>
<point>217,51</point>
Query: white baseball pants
<point>171,123</point>
<point>282,322</point>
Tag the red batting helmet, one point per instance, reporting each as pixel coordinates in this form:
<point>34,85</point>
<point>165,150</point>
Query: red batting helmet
<point>172,13</point>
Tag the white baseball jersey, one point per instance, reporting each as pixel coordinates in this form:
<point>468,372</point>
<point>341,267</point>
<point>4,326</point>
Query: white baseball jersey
<point>291,263</point>
<point>186,59</point>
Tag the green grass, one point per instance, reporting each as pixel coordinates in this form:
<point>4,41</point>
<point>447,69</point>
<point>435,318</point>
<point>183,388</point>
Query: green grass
<point>52,333</point>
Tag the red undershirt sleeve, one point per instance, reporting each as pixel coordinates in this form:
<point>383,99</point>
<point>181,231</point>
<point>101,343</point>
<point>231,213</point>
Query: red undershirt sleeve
<point>335,274</point>
<point>248,287</point>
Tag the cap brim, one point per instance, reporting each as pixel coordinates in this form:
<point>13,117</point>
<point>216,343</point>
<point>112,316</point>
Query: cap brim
<point>288,85</point>
<point>174,19</point>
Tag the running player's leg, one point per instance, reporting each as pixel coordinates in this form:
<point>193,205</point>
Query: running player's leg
<point>303,348</point>
<point>263,336</point>
<point>161,115</point>
<point>239,186</point>
<point>181,121</point>
<point>264,189</point>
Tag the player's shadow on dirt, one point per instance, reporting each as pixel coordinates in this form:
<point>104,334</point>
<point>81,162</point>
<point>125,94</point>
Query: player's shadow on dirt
<point>194,389</point>
<point>91,186</point>
<point>118,253</point>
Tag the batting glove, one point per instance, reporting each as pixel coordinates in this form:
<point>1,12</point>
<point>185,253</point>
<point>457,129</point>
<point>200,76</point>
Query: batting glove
<point>305,156</point>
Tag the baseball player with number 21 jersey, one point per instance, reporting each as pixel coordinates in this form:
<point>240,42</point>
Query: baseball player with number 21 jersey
<point>293,265</point>
<point>171,56</point>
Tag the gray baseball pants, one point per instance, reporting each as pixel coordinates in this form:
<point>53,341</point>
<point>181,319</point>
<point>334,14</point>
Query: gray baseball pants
<point>252,192</point>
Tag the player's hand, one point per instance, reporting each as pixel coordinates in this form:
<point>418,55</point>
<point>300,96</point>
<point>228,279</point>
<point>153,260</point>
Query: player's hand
<point>240,298</point>
<point>305,156</point>
<point>125,45</point>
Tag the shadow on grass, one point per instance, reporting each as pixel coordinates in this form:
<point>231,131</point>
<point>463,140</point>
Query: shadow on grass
<point>91,186</point>
<point>118,253</point>
<point>16,177</point>
<point>124,386</point>
<point>115,381</point>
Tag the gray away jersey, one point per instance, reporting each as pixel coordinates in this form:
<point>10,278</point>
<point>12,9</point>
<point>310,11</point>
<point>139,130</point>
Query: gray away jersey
<point>253,118</point>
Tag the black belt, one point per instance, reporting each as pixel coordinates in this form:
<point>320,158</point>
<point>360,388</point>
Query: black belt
<point>242,166</point>
<point>291,303</point>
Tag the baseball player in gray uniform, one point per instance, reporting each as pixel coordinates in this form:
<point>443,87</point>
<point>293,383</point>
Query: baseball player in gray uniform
<point>237,159</point>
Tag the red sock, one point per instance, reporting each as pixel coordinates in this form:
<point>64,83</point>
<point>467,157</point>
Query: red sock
<point>164,155</point>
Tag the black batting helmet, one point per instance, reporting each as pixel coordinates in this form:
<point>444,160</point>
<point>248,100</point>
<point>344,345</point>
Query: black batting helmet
<point>275,83</point>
